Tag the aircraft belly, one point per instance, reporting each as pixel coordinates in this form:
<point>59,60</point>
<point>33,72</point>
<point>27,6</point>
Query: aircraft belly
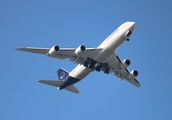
<point>80,72</point>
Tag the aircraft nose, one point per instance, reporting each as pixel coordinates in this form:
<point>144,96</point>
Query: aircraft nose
<point>132,25</point>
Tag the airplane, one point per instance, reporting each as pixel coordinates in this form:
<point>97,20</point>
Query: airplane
<point>103,58</point>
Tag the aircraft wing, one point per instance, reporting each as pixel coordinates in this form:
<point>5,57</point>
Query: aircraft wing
<point>125,75</point>
<point>121,72</point>
<point>34,50</point>
<point>64,53</point>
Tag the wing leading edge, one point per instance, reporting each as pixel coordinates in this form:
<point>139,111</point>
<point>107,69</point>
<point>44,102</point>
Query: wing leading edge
<point>64,53</point>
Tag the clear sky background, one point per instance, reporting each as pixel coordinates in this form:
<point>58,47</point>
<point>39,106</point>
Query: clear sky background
<point>70,23</point>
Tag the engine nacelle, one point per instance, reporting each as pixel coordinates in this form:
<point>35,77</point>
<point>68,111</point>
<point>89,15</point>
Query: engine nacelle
<point>79,50</point>
<point>133,74</point>
<point>125,64</point>
<point>53,50</point>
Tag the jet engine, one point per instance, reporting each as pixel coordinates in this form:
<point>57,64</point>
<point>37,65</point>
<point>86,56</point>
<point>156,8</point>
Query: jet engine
<point>53,50</point>
<point>125,64</point>
<point>133,74</point>
<point>79,50</point>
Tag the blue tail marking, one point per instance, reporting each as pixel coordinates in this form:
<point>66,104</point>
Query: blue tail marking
<point>62,74</point>
<point>68,80</point>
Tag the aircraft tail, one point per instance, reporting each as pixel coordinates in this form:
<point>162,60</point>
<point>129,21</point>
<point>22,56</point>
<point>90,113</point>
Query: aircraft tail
<point>62,74</point>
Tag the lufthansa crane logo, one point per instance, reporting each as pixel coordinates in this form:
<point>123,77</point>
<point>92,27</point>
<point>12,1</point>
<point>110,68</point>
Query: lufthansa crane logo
<point>62,75</point>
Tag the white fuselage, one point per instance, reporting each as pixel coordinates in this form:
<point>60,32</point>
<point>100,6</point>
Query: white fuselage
<point>109,46</point>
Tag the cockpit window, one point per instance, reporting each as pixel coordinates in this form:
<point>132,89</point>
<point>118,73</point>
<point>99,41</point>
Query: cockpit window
<point>123,25</point>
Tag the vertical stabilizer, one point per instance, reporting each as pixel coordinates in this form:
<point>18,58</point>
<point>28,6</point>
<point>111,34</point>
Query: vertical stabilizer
<point>62,74</point>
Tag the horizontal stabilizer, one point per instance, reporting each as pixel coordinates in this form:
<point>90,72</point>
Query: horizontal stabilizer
<point>51,82</point>
<point>72,88</point>
<point>56,83</point>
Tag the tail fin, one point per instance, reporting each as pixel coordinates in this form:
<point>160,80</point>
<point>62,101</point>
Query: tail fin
<point>62,74</point>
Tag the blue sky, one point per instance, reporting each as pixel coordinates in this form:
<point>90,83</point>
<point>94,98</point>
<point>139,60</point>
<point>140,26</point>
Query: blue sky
<point>70,23</point>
